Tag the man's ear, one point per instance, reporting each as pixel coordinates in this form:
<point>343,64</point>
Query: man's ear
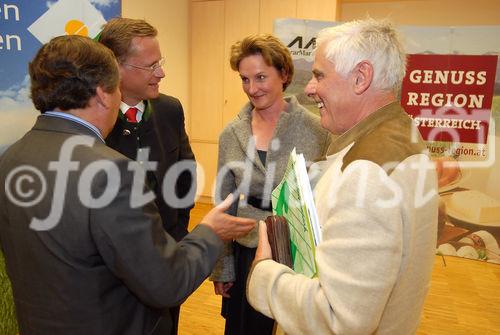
<point>102,98</point>
<point>362,76</point>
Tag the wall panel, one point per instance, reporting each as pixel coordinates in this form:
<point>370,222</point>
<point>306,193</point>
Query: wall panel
<point>426,12</point>
<point>327,10</point>
<point>274,9</point>
<point>207,69</point>
<point>206,156</point>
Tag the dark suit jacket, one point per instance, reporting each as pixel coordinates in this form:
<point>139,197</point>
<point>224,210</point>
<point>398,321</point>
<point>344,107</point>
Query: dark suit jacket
<point>101,270</point>
<point>162,130</point>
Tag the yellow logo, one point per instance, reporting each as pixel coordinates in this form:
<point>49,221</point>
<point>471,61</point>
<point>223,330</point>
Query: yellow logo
<point>76,27</point>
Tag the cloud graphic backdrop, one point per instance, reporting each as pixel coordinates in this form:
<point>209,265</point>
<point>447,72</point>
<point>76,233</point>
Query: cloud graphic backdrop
<point>26,25</point>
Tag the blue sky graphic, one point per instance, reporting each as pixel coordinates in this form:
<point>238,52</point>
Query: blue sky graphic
<point>17,113</point>
<point>14,63</point>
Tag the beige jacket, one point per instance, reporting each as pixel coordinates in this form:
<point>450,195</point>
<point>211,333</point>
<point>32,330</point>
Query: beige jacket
<point>377,203</point>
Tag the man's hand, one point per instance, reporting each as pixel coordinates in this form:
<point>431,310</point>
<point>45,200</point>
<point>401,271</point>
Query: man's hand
<point>222,288</point>
<point>263,249</point>
<point>226,226</point>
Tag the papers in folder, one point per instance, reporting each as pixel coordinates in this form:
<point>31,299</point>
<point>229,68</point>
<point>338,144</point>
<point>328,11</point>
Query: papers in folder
<point>293,199</point>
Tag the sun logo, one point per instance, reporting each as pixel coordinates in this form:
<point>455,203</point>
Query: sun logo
<point>68,17</point>
<point>76,27</point>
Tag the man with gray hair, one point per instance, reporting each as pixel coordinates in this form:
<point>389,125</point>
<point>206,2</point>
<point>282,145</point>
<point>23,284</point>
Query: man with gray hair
<point>376,201</point>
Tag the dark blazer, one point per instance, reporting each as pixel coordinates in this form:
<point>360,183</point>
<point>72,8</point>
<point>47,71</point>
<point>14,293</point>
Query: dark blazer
<point>104,268</point>
<point>162,130</point>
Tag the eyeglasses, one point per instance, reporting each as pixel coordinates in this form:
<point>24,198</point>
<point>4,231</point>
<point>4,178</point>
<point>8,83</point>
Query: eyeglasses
<point>159,64</point>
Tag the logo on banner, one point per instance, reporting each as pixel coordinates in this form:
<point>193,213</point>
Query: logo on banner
<point>68,17</point>
<point>449,97</point>
<point>300,47</point>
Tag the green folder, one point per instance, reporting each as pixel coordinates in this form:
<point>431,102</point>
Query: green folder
<point>293,199</point>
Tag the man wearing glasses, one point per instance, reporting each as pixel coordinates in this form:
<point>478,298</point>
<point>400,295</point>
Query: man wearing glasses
<point>150,125</point>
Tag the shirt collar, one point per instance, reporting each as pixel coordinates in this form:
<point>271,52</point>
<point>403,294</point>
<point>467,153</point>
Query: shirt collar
<point>76,119</point>
<point>140,107</point>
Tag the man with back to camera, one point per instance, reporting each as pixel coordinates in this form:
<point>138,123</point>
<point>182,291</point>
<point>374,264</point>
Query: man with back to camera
<point>82,254</point>
<point>376,200</point>
<point>156,126</point>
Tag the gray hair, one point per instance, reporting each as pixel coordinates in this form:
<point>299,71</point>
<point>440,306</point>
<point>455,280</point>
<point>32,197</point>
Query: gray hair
<point>375,41</point>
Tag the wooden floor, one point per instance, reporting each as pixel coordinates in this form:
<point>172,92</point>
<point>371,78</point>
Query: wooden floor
<point>464,298</point>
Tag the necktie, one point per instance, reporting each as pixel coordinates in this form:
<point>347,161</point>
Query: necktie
<point>131,115</point>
